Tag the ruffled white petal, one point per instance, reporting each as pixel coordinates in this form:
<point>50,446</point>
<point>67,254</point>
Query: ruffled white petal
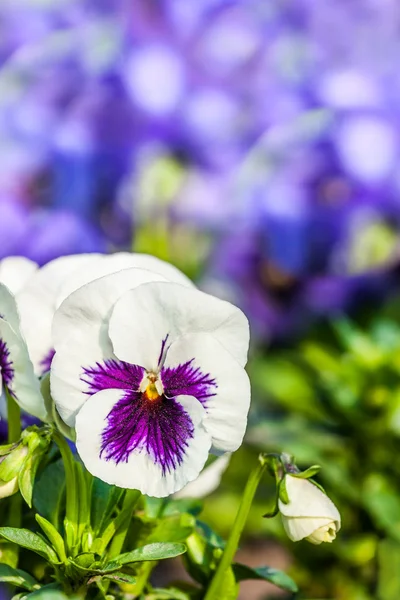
<point>112,263</point>
<point>150,312</point>
<point>15,272</point>
<point>227,410</point>
<point>80,335</point>
<point>8,307</point>
<point>25,385</point>
<point>37,302</point>
<point>140,471</point>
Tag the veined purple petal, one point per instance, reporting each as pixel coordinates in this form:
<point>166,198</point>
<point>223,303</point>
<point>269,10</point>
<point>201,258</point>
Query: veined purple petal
<point>163,350</point>
<point>45,363</point>
<point>188,380</point>
<point>161,428</point>
<point>112,374</point>
<point>6,365</point>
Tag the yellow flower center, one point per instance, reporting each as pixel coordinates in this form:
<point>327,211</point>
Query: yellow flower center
<point>151,387</point>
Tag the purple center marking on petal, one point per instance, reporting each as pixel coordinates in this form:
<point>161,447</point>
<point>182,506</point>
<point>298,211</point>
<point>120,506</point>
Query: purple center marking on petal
<point>161,428</point>
<point>188,380</point>
<point>142,420</point>
<point>6,368</point>
<point>112,374</point>
<point>45,363</point>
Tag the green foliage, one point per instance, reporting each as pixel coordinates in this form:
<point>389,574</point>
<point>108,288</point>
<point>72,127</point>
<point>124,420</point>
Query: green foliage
<point>278,578</point>
<point>18,578</point>
<point>335,399</point>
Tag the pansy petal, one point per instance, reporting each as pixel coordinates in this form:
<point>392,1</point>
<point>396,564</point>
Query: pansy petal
<point>217,380</point>
<point>8,307</point>
<point>23,383</point>
<point>15,272</point>
<point>117,262</point>
<point>208,480</point>
<point>37,303</point>
<point>80,335</point>
<point>154,311</point>
<point>298,528</point>
<point>139,470</point>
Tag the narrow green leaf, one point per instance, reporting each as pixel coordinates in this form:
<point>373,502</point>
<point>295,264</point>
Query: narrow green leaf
<point>120,577</point>
<point>310,472</point>
<point>104,500</point>
<point>54,537</point>
<point>278,578</point>
<point>146,553</point>
<point>31,541</point>
<point>18,578</point>
<point>27,474</point>
<point>282,491</point>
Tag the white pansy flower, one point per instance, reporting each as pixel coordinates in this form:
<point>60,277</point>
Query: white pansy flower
<point>310,514</point>
<point>16,369</point>
<point>151,374</point>
<point>46,290</point>
<point>16,271</point>
<point>208,480</point>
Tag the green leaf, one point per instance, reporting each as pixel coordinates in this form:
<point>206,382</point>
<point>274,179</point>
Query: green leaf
<point>48,493</point>
<point>278,578</point>
<point>283,495</point>
<point>193,506</point>
<point>118,576</point>
<point>104,500</point>
<point>148,552</point>
<point>310,472</point>
<point>27,474</point>
<point>53,536</point>
<point>31,541</point>
<point>17,578</point>
<point>49,592</point>
<point>175,528</point>
<point>212,538</point>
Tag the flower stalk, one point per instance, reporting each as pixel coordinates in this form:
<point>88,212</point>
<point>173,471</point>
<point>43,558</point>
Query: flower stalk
<point>214,590</point>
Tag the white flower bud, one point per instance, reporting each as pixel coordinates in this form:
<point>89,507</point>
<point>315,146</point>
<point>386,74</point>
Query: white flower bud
<point>310,514</point>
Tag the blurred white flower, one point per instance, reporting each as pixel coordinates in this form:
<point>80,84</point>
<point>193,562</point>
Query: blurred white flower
<point>310,514</point>
<point>208,480</point>
<point>15,272</point>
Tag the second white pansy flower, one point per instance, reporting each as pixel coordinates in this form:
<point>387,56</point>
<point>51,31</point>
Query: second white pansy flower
<point>16,369</point>
<point>151,375</point>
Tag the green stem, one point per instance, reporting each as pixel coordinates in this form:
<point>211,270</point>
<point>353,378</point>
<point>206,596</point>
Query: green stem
<point>130,500</point>
<point>13,418</point>
<point>214,590</point>
<point>71,521</point>
<point>14,434</point>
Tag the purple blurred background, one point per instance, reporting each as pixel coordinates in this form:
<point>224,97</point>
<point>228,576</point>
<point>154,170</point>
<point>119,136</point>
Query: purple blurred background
<point>255,144</point>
